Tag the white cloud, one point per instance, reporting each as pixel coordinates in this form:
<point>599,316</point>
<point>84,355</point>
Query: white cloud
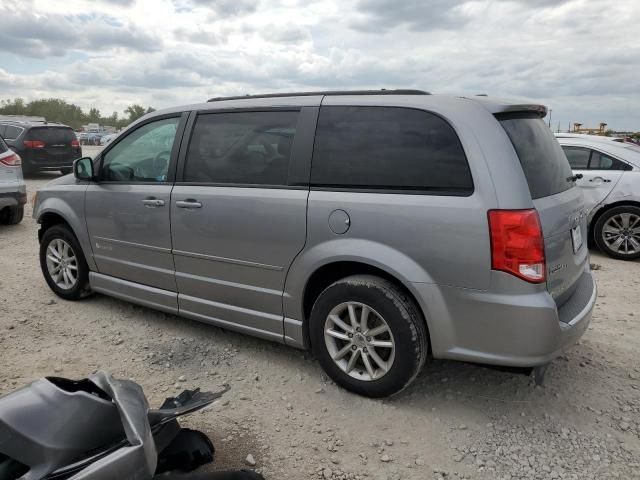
<point>578,56</point>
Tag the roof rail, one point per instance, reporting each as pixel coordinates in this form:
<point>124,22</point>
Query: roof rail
<point>328,92</point>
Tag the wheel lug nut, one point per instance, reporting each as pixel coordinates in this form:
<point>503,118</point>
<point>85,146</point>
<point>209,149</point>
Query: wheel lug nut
<point>350,335</point>
<point>364,349</point>
<point>353,347</point>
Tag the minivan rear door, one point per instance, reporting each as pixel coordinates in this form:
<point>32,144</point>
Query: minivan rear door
<point>559,202</point>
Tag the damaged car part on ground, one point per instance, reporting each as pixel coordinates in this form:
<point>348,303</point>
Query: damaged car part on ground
<point>102,428</point>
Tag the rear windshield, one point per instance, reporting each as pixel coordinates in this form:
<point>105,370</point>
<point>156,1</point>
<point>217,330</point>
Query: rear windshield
<point>543,161</point>
<point>51,135</point>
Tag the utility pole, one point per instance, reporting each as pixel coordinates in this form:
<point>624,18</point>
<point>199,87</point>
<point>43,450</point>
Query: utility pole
<point>550,118</point>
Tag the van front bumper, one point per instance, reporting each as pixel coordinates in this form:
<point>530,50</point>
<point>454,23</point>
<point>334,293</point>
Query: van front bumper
<point>521,328</point>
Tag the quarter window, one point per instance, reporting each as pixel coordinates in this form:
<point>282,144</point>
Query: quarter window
<point>142,155</point>
<point>388,148</point>
<point>600,161</point>
<point>245,148</point>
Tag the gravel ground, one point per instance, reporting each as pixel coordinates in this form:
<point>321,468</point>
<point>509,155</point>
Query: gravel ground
<point>456,421</point>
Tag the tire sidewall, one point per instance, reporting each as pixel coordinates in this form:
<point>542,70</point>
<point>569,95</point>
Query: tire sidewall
<point>407,355</point>
<point>80,289</point>
<point>602,245</point>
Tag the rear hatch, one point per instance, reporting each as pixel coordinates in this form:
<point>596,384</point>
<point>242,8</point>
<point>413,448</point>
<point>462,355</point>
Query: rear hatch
<point>556,198</point>
<point>55,145</point>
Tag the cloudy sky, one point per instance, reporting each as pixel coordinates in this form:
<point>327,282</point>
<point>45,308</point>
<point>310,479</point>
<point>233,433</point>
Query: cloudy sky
<point>579,57</point>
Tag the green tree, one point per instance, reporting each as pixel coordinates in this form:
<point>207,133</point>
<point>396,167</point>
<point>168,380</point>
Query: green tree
<point>135,111</point>
<point>58,110</point>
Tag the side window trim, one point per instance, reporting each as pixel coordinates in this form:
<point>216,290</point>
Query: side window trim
<point>301,151</point>
<point>174,149</point>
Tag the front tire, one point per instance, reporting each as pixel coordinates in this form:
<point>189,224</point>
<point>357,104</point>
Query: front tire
<point>368,335</point>
<point>617,232</point>
<point>12,215</point>
<point>63,263</point>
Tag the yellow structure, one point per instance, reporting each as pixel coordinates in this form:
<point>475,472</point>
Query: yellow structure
<point>577,128</point>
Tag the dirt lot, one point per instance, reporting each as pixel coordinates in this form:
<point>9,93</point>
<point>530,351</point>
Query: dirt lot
<point>456,421</point>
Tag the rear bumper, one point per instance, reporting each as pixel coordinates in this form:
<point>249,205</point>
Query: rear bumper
<point>50,163</point>
<point>14,198</point>
<point>519,329</point>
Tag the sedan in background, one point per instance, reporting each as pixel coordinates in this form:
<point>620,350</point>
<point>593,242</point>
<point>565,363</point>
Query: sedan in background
<point>608,173</point>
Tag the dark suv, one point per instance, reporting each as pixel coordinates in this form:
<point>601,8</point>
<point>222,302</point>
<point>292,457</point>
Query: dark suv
<point>42,145</point>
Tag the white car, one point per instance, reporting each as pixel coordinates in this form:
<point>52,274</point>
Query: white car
<point>609,175</point>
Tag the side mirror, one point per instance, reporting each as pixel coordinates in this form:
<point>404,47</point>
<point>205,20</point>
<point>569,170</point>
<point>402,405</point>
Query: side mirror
<point>83,168</point>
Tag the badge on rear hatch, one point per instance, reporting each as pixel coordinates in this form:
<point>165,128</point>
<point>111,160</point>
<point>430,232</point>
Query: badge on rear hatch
<point>576,238</point>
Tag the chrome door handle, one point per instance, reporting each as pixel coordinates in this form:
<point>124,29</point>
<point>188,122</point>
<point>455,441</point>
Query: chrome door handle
<point>188,203</point>
<point>153,202</point>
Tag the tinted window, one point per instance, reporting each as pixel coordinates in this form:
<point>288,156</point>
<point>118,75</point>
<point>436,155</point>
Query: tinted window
<point>251,148</point>
<point>52,135</point>
<point>388,148</point>
<point>600,161</point>
<point>142,155</point>
<point>544,164</point>
<point>11,132</point>
<point>3,146</point>
<point>578,157</point>
<point>2,130</point>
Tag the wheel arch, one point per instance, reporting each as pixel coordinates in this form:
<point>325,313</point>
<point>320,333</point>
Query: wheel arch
<point>605,208</point>
<point>328,273</point>
<point>54,211</point>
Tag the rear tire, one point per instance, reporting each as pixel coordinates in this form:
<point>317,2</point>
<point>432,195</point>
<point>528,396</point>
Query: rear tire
<point>617,232</point>
<point>390,347</point>
<point>12,215</point>
<point>60,248</point>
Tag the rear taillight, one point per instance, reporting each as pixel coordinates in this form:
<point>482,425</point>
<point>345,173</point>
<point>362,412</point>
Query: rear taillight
<point>75,143</point>
<point>517,244</point>
<point>34,144</point>
<point>13,160</point>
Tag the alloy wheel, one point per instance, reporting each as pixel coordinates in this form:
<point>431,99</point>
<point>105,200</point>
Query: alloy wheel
<point>359,341</point>
<point>621,233</point>
<point>62,264</point>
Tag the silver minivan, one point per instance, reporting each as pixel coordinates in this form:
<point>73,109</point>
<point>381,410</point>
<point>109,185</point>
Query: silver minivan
<point>376,228</point>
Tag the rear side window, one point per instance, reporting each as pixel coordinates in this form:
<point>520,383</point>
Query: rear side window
<point>11,132</point>
<point>600,161</point>
<point>578,157</point>
<point>246,148</point>
<point>52,135</point>
<point>388,148</point>
<point>544,164</point>
<point>3,146</point>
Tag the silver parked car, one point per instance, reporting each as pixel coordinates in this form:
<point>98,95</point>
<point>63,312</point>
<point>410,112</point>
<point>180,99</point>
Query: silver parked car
<point>372,227</point>
<point>13,192</point>
<point>610,181</point>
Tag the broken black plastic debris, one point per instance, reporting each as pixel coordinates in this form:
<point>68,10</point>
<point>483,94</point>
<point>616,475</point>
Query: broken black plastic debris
<point>100,427</point>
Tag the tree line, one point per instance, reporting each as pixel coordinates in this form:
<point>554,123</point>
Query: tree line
<point>58,110</point>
